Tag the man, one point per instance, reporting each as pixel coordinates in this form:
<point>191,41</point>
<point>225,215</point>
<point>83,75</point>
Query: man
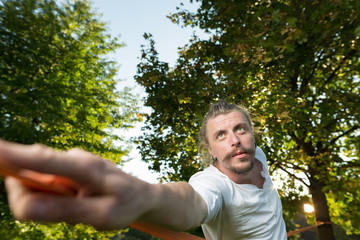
<point>242,201</point>
<point>233,198</point>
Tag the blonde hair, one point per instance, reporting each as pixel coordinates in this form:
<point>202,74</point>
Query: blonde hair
<point>219,108</point>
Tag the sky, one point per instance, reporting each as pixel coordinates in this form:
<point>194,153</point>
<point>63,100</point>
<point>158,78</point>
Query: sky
<point>129,20</point>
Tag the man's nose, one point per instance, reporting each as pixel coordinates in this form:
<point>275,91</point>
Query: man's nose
<point>234,140</point>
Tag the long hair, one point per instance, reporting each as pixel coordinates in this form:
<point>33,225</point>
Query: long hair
<point>219,108</point>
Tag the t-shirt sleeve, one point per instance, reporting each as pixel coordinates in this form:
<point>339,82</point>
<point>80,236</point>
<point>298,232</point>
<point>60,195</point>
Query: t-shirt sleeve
<point>209,187</point>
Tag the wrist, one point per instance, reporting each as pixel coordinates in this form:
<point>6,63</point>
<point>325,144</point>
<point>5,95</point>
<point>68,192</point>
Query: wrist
<point>152,197</point>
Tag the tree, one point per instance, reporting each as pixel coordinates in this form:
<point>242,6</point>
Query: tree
<point>57,87</point>
<point>295,64</point>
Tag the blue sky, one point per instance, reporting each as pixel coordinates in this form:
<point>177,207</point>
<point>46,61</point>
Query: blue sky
<point>130,20</point>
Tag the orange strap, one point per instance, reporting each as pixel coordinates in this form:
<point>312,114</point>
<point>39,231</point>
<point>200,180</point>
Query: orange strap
<point>58,185</point>
<point>318,223</point>
<point>163,233</point>
<point>289,234</point>
<point>167,234</point>
<point>39,181</point>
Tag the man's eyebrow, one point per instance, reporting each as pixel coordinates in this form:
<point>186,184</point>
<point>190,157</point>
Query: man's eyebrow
<point>217,133</point>
<point>244,125</point>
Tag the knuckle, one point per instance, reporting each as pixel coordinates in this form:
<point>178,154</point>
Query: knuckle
<point>44,151</point>
<point>38,147</point>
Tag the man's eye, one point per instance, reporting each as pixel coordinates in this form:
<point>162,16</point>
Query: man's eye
<point>241,130</point>
<point>221,135</point>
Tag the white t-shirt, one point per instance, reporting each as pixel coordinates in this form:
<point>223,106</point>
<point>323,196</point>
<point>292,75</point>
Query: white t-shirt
<point>239,211</point>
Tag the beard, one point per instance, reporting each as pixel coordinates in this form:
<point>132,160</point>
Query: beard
<point>246,169</point>
<point>243,170</point>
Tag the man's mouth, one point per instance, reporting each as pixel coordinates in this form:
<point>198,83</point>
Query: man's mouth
<point>239,154</point>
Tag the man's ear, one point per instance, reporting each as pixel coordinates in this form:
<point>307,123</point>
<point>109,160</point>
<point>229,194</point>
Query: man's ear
<point>210,151</point>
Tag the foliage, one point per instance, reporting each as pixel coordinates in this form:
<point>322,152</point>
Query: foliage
<point>295,64</point>
<point>58,88</point>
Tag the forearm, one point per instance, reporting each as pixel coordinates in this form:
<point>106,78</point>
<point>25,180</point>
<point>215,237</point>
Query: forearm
<point>176,206</point>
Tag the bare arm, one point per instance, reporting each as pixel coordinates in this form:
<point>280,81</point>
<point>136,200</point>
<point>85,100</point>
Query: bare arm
<point>177,206</point>
<point>107,198</point>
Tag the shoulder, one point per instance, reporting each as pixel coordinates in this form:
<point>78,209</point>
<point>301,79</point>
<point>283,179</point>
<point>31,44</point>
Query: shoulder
<point>209,176</point>
<point>212,184</point>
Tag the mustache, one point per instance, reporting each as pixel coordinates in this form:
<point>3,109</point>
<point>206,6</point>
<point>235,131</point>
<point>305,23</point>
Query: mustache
<point>247,150</point>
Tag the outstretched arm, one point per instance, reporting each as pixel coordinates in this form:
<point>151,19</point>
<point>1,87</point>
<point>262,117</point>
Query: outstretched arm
<point>107,198</point>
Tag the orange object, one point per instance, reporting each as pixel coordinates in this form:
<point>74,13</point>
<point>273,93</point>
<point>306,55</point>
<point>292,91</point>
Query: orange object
<point>289,234</point>
<point>163,233</point>
<point>318,223</point>
<point>40,181</point>
<point>64,186</point>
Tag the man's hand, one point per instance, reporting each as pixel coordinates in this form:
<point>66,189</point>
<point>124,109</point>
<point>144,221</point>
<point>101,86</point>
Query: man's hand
<point>107,197</point>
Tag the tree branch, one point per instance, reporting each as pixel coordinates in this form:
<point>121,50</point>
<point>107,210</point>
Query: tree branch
<point>294,176</point>
<point>332,75</point>
<point>308,148</point>
<point>351,165</point>
<point>295,167</point>
<point>307,79</point>
<point>344,134</point>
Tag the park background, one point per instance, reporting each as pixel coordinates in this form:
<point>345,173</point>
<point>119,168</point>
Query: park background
<point>294,63</point>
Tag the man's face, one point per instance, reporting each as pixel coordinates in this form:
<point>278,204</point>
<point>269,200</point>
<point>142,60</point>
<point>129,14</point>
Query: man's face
<point>231,141</point>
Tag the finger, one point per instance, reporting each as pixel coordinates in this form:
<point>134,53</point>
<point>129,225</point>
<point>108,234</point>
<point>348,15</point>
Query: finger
<point>104,212</point>
<point>76,164</point>
<point>26,156</point>
<point>17,197</point>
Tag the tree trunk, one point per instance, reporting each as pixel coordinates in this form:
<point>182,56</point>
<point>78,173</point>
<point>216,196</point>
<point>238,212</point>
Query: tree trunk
<point>321,210</point>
